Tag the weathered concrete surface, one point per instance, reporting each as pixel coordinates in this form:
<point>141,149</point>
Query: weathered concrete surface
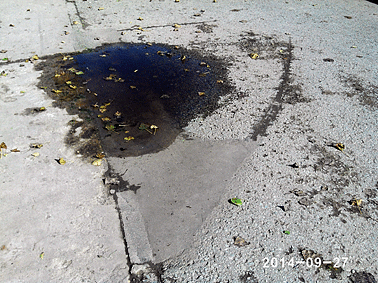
<point>314,83</point>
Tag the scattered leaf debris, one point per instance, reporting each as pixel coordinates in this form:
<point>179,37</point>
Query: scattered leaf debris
<point>240,242</point>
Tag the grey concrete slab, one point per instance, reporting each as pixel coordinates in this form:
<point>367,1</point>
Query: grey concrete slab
<point>314,84</point>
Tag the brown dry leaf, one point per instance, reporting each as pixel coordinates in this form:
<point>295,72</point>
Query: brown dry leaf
<point>240,242</point>
<point>3,145</point>
<point>36,145</point>
<point>310,254</point>
<point>15,150</point>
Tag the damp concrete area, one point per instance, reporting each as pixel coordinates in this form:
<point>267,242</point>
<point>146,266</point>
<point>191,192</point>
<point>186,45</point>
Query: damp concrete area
<point>133,101</point>
<point>136,97</point>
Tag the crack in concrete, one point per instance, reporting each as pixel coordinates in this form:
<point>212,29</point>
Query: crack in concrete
<point>284,89</point>
<point>136,27</point>
<point>84,24</point>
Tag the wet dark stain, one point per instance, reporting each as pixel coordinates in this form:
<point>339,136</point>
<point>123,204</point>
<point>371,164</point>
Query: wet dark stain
<point>206,28</point>
<point>361,277</point>
<point>33,111</point>
<point>248,277</point>
<point>114,181</point>
<point>287,93</point>
<point>134,98</point>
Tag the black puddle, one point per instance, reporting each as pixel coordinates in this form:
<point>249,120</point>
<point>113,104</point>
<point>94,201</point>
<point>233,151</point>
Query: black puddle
<point>135,98</point>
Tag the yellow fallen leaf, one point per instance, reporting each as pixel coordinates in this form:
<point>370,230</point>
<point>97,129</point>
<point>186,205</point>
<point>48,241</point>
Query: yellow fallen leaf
<point>140,19</point>
<point>219,82</point>
<point>100,155</point>
<point>128,138</point>
<point>73,86</point>
<point>75,22</point>
<point>154,127</point>
<point>254,55</point>
<point>56,90</point>
<point>339,146</point>
<point>61,161</point>
<point>102,110</point>
<point>96,162</point>
<point>200,93</point>
<point>42,254</point>
<point>35,57</point>
<point>68,82</point>
<point>101,8</point>
<point>106,119</point>
<point>35,154</point>
<point>176,26</point>
<point>357,202</point>
<point>15,150</point>
<point>133,87</point>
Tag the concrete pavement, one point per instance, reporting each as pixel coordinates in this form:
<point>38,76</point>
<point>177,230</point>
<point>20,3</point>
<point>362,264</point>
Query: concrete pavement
<point>313,84</point>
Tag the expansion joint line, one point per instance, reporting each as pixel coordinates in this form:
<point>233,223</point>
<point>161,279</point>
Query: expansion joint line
<point>122,227</point>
